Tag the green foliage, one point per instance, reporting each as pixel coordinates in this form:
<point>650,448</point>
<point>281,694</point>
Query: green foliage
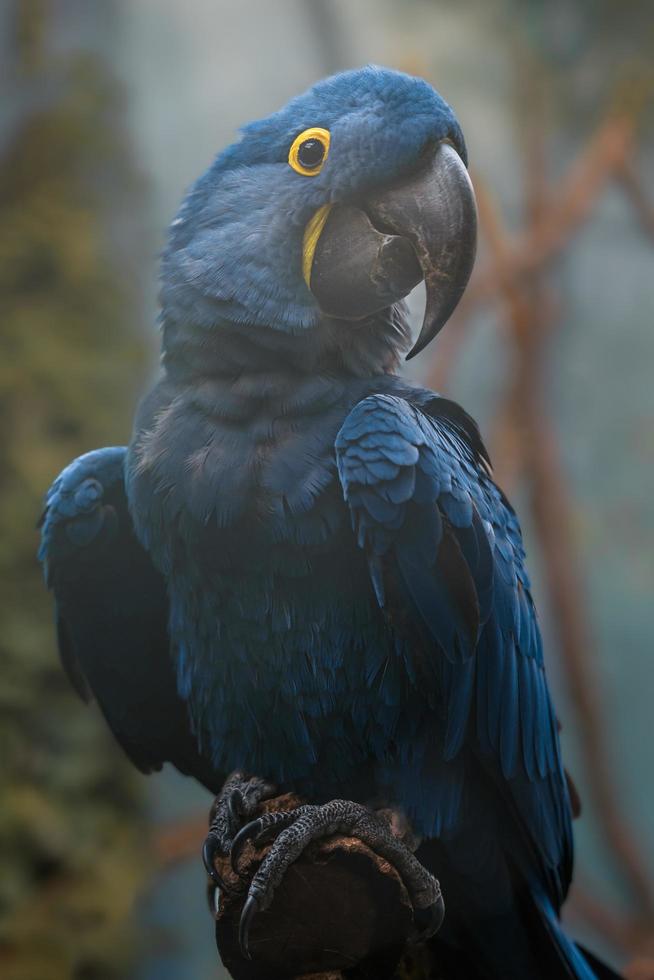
<point>71,830</point>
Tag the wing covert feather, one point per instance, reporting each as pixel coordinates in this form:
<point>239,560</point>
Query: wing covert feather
<point>111,609</point>
<point>426,511</point>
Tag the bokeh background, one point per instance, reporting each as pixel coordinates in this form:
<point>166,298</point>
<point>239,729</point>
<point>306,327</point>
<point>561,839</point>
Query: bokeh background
<point>108,111</point>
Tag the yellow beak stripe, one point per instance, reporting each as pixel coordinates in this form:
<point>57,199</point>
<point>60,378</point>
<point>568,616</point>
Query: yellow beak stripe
<point>312,233</point>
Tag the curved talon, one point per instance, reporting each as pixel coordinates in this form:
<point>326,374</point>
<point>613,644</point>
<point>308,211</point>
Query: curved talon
<point>213,898</point>
<point>210,849</point>
<point>250,910</point>
<point>246,833</point>
<point>427,921</point>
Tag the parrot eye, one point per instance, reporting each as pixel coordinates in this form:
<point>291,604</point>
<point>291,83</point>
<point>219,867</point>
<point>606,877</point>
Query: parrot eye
<point>309,151</point>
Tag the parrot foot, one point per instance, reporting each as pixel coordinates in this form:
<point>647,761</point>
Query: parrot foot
<point>298,828</point>
<point>236,803</point>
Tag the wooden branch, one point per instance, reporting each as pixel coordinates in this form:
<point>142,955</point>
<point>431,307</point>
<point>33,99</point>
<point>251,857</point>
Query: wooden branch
<point>616,928</point>
<point>569,205</point>
<point>641,968</point>
<point>623,931</point>
<point>339,906</point>
<point>447,349</point>
<point>572,202</point>
<point>633,185</point>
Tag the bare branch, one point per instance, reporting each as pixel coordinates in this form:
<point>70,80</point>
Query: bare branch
<point>633,185</point>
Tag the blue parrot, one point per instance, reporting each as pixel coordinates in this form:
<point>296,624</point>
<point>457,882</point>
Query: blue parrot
<point>300,574</point>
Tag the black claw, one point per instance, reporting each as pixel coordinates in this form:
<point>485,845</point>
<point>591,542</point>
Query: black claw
<point>250,909</point>
<point>213,895</point>
<point>210,849</point>
<point>249,832</point>
<point>427,921</point>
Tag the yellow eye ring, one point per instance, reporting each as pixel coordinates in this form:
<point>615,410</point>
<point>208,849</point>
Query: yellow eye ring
<point>309,151</point>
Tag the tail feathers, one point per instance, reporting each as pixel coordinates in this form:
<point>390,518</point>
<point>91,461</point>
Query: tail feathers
<point>572,959</point>
<point>531,942</point>
<point>526,943</point>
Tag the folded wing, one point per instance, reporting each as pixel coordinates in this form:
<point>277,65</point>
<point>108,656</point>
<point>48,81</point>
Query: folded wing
<point>111,613</point>
<point>444,544</point>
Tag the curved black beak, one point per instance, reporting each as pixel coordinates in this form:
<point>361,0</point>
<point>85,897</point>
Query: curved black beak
<point>369,255</point>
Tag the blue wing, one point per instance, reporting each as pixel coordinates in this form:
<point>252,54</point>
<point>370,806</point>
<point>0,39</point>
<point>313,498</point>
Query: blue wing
<point>440,535</point>
<point>111,613</point>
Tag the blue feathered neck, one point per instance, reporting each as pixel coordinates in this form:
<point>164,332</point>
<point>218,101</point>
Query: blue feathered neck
<point>362,349</point>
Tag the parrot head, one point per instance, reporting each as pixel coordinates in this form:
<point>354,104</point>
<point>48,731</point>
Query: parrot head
<point>334,207</point>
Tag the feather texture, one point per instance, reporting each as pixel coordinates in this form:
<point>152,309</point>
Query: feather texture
<point>301,566</point>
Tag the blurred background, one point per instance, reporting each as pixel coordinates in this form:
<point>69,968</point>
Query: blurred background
<point>108,112</point>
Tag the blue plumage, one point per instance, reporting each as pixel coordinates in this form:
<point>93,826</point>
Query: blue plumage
<point>302,567</point>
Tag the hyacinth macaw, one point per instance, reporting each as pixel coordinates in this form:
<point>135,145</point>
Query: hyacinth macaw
<point>300,572</point>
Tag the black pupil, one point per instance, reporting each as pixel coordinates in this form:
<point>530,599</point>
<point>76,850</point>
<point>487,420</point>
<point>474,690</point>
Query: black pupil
<point>311,153</point>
